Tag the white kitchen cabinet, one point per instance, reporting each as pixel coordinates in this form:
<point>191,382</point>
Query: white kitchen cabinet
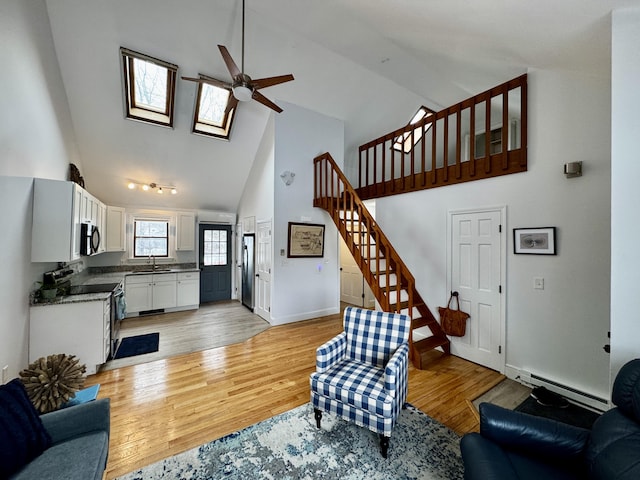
<point>167,291</point>
<point>82,329</point>
<point>188,290</point>
<point>115,229</point>
<point>150,292</point>
<point>56,221</point>
<point>185,231</point>
<point>138,293</point>
<point>102,225</point>
<point>164,290</point>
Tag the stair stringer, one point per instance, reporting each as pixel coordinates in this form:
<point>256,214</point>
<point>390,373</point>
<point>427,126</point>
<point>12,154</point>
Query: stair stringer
<point>390,280</point>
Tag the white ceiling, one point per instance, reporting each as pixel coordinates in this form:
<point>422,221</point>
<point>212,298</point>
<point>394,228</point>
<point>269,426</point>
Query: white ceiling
<point>370,63</point>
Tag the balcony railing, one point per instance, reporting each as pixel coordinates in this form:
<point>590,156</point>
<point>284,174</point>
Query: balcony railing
<point>482,137</point>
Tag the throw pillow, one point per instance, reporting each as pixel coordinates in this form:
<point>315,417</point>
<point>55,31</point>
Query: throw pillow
<point>22,434</point>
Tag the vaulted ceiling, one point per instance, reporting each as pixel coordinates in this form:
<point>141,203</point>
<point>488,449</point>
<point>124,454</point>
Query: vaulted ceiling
<point>370,63</point>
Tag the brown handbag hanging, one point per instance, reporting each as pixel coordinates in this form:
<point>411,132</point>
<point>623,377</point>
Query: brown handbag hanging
<point>453,322</point>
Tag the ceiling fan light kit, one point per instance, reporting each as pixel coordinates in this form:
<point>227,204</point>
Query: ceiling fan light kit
<point>242,86</point>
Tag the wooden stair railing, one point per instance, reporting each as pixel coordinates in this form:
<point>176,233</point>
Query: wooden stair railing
<point>454,146</point>
<point>390,280</point>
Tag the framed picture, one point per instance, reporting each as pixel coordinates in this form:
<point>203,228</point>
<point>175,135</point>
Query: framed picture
<point>535,241</point>
<point>305,240</point>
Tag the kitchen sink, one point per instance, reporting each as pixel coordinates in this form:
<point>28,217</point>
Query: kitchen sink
<point>151,270</point>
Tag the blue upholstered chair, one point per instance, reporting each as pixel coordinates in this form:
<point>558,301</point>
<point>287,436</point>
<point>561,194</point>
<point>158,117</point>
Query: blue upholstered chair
<point>361,374</point>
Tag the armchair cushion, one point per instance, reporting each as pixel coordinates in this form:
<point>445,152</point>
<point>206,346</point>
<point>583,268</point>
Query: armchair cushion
<point>22,434</point>
<point>374,336</point>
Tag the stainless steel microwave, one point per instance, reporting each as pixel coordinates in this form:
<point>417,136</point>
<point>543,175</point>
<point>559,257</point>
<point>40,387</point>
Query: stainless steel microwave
<point>89,239</point>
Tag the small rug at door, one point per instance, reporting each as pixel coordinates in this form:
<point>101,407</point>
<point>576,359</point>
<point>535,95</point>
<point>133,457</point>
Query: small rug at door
<point>573,414</point>
<point>289,446</point>
<point>138,345</point>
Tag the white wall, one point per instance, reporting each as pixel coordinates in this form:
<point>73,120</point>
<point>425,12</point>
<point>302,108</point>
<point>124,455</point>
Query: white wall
<point>557,332</point>
<point>36,135</point>
<point>257,197</point>
<point>625,194</point>
<point>36,139</point>
<point>303,288</point>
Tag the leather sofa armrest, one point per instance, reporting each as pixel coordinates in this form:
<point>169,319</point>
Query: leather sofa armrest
<point>77,420</point>
<point>484,460</point>
<point>532,435</point>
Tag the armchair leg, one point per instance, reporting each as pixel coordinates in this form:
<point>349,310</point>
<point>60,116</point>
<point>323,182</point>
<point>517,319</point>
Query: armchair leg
<point>384,445</point>
<point>318,415</point>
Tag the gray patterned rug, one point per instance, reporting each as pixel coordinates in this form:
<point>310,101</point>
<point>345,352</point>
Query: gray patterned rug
<point>289,446</point>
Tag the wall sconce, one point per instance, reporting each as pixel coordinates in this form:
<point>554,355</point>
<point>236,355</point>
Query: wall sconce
<point>287,177</point>
<point>573,169</point>
<point>150,186</point>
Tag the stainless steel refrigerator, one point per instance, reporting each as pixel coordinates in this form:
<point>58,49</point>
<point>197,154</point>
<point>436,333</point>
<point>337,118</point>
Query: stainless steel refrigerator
<point>248,270</point>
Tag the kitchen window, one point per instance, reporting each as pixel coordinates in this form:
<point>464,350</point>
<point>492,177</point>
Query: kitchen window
<point>150,238</point>
<point>215,109</point>
<point>149,88</point>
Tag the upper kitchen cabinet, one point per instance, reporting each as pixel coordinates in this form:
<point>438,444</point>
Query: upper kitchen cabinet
<point>185,231</point>
<point>115,230</point>
<point>56,221</point>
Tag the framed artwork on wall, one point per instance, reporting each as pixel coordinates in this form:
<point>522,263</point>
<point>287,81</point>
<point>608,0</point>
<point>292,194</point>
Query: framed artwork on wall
<point>305,240</point>
<point>535,241</point>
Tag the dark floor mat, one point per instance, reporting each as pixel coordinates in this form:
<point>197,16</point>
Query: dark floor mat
<point>138,345</point>
<point>573,414</point>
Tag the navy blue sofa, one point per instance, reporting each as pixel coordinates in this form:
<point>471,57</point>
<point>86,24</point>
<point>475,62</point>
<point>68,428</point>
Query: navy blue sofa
<point>514,445</point>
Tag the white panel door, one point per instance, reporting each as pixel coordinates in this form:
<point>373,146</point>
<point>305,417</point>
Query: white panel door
<point>475,271</point>
<point>353,289</point>
<point>263,271</point>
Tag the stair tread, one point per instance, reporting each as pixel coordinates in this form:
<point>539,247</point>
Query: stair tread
<point>422,322</point>
<point>430,343</point>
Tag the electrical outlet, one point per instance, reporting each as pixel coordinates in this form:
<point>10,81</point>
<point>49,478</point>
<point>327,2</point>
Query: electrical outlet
<point>5,373</point>
<point>538,283</point>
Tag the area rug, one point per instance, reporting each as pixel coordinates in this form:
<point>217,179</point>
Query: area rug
<point>138,345</point>
<point>289,446</point>
<point>573,414</point>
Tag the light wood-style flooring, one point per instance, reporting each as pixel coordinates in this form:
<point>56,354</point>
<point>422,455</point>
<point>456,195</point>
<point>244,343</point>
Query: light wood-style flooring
<point>212,325</point>
<point>162,408</point>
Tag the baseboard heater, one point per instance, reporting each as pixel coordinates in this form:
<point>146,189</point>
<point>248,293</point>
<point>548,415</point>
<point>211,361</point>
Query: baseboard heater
<point>585,399</point>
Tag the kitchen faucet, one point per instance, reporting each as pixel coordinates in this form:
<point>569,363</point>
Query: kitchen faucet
<point>153,257</point>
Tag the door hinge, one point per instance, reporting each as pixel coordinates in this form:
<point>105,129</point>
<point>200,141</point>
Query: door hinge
<point>500,228</point>
<point>499,288</point>
<point>500,349</point>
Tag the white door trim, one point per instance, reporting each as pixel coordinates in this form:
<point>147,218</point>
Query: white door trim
<point>502,209</point>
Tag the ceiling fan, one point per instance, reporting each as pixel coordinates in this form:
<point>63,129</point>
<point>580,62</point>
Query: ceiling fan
<point>243,87</point>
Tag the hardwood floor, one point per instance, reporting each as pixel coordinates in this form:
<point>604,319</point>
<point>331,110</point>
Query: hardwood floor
<point>167,406</point>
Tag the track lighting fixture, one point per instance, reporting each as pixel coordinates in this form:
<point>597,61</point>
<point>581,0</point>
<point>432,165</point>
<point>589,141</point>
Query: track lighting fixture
<point>151,186</point>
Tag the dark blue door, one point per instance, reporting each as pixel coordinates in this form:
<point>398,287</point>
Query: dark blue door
<point>215,262</point>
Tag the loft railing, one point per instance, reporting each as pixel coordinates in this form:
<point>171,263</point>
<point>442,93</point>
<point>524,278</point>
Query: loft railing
<point>482,137</point>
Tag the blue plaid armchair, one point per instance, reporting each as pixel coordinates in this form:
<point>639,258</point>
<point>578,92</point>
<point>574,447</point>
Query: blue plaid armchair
<point>361,374</point>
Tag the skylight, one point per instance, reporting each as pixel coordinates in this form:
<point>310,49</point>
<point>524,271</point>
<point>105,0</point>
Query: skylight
<point>149,88</point>
<point>403,142</point>
<point>214,111</point>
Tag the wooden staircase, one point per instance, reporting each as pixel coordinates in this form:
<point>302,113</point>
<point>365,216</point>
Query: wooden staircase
<point>392,283</point>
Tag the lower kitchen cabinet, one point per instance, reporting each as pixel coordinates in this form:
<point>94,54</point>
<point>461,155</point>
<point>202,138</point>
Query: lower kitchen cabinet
<point>188,290</point>
<point>82,329</point>
<point>162,291</point>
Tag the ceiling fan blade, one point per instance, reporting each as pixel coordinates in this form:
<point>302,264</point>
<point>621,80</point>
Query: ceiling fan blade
<point>257,96</point>
<point>270,81</point>
<point>231,65</point>
<point>210,81</point>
